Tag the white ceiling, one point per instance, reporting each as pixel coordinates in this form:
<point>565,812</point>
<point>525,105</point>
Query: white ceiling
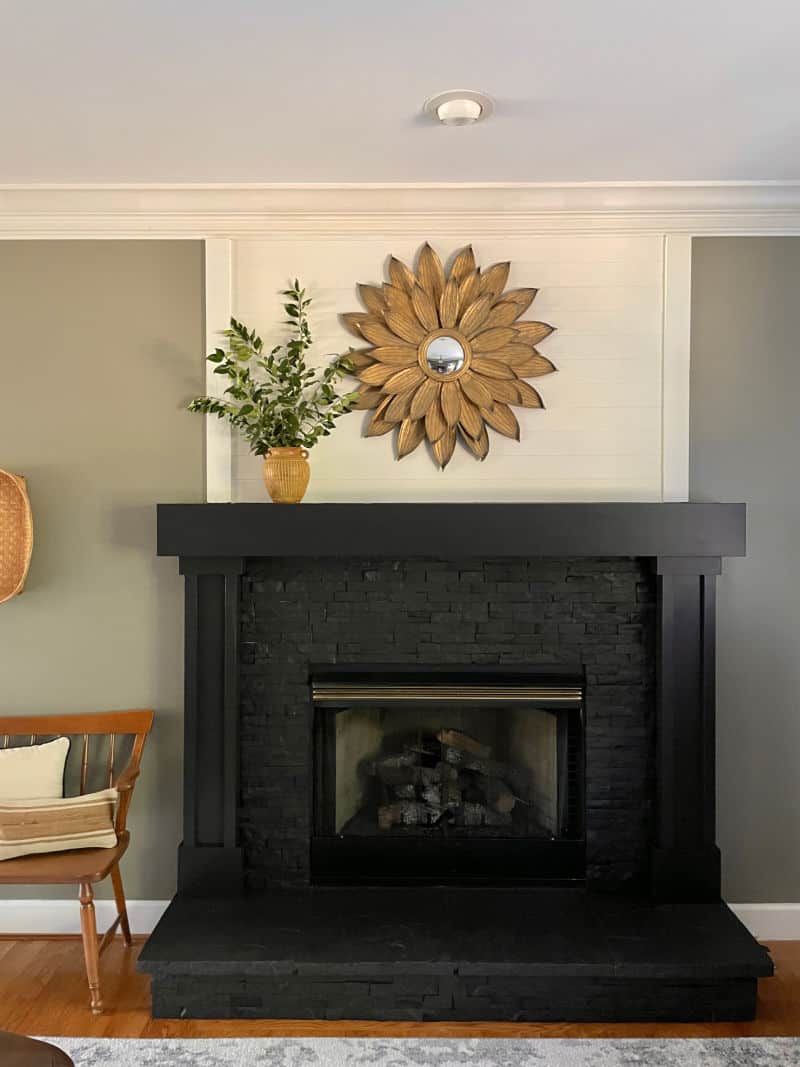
<point>260,91</point>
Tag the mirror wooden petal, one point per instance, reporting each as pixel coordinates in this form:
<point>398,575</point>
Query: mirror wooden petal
<point>523,298</point>
<point>425,309</point>
<point>435,423</point>
<point>430,273</point>
<point>411,434</point>
<point>502,314</point>
<point>399,406</point>
<point>536,366</point>
<point>491,368</point>
<point>528,396</point>
<point>399,355</point>
<point>531,333</point>
<point>501,418</point>
<point>400,275</point>
<point>369,397</point>
<point>495,278</point>
<point>473,318</point>
<point>492,340</point>
<point>443,448</point>
<point>475,390</point>
<point>405,326</point>
<point>470,417</point>
<point>376,373</point>
<point>379,334</point>
<point>451,402</point>
<point>463,264</point>
<point>360,357</point>
<point>404,379</point>
<point>469,289</point>
<point>514,354</point>
<point>478,446</point>
<point>449,304</point>
<point>503,389</point>
<point>372,298</point>
<point>424,396</point>
<point>378,425</point>
<point>397,299</point>
<point>353,320</point>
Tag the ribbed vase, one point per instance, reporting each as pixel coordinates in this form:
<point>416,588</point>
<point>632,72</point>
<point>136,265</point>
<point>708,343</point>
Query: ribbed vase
<point>286,474</point>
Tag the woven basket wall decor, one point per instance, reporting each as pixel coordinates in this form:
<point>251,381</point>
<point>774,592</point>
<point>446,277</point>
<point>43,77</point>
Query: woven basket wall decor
<point>16,534</point>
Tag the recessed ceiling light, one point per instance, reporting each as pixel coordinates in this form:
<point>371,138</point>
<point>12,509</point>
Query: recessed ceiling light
<point>459,107</point>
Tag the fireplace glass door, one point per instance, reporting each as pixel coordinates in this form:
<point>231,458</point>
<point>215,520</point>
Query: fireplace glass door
<point>458,777</point>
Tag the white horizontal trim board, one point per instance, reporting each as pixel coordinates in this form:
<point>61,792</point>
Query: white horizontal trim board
<point>64,916</point>
<point>435,210</point>
<point>768,922</point>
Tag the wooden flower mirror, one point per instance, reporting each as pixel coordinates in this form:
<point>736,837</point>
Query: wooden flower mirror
<point>448,354</point>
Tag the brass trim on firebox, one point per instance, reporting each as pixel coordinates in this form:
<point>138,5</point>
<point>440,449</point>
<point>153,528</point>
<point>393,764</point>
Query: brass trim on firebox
<point>331,694</point>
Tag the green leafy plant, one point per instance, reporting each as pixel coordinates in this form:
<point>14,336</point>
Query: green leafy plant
<point>273,399</point>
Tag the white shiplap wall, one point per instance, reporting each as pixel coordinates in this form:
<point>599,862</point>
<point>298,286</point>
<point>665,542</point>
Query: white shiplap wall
<point>601,435</point>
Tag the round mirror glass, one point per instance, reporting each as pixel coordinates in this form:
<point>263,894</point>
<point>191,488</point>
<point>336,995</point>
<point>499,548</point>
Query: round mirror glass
<point>445,355</point>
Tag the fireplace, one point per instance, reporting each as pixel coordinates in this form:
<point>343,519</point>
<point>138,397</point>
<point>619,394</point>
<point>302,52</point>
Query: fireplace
<point>431,776</point>
<point>475,783</point>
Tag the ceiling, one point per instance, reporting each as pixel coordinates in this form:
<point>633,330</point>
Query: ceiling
<point>93,91</point>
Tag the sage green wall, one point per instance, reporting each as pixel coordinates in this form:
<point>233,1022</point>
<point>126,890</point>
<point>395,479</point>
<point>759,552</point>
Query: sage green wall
<point>745,445</point>
<point>102,344</point>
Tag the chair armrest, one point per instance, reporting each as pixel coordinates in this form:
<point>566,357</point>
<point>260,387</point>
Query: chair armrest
<point>124,786</point>
<point>127,780</point>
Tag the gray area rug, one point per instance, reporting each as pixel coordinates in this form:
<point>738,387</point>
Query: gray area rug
<point>430,1052</point>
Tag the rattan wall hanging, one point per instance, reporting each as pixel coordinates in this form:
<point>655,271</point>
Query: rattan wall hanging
<point>448,354</point>
<point>16,534</point>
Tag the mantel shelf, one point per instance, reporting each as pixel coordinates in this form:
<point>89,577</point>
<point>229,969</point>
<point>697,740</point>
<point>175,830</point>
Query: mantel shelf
<point>451,530</point>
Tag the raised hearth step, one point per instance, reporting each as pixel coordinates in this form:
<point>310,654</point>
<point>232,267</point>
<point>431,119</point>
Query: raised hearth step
<point>516,954</point>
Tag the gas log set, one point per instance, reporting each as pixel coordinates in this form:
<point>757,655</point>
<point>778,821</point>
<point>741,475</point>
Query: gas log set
<point>450,780</point>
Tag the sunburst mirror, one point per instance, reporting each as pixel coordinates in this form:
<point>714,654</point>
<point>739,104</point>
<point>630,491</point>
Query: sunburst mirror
<point>448,354</point>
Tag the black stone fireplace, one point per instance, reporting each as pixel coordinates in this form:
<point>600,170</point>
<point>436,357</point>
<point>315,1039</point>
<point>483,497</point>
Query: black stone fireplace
<point>476,783</point>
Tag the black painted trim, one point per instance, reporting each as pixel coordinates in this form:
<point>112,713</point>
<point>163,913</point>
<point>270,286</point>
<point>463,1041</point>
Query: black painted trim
<point>209,858</point>
<point>385,530</point>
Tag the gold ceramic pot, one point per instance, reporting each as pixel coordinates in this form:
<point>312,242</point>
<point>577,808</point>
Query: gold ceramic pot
<point>286,474</point>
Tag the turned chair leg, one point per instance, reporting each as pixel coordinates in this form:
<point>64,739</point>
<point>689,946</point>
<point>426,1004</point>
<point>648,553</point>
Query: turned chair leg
<point>91,950</point>
<point>122,908</point>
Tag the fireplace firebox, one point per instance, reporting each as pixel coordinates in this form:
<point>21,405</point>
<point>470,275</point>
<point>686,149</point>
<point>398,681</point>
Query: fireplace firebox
<point>427,776</point>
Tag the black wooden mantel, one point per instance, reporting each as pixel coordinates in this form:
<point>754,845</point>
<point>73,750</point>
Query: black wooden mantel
<point>685,541</point>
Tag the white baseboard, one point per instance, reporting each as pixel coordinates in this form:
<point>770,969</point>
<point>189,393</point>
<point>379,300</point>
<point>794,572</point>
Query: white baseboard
<point>63,916</point>
<point>768,922</point>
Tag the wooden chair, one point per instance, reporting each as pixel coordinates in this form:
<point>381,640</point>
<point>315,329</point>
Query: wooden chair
<point>84,867</point>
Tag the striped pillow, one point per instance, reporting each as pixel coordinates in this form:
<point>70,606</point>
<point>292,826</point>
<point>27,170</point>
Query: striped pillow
<point>58,825</point>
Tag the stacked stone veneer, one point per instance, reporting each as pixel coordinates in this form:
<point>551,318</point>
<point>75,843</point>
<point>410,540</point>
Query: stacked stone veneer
<point>595,613</point>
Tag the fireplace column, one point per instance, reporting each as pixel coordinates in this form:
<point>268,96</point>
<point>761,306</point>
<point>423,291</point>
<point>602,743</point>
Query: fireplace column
<point>209,858</point>
<point>685,858</point>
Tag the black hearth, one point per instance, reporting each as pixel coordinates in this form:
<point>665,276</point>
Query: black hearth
<point>333,865</point>
<point>425,776</point>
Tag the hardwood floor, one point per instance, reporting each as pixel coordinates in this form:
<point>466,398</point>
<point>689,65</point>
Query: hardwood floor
<point>43,991</point>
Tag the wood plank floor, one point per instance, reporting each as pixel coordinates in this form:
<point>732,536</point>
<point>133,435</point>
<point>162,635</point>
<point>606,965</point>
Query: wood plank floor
<point>43,991</point>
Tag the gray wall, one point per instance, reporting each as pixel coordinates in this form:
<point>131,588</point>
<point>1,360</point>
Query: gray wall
<point>102,346</point>
<point>745,445</point>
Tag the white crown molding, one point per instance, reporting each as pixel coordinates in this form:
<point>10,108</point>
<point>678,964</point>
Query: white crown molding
<point>442,210</point>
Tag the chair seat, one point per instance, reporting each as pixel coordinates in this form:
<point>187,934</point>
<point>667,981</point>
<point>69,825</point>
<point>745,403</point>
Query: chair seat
<point>62,868</point>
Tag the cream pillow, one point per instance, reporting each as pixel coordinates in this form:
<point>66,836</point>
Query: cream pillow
<point>59,825</point>
<point>33,770</point>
